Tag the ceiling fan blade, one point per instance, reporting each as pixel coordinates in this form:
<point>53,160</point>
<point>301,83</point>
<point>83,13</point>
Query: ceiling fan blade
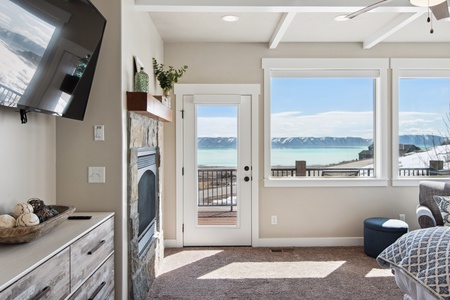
<point>366,9</point>
<point>440,11</point>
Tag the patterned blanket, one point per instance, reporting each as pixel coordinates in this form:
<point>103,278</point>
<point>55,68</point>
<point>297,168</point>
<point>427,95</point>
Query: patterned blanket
<point>424,255</point>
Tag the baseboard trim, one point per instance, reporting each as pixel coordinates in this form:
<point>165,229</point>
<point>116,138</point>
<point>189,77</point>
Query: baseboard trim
<point>293,242</point>
<point>171,244</point>
<point>311,242</point>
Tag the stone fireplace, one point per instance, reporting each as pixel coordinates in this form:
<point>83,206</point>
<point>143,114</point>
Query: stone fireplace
<point>143,133</point>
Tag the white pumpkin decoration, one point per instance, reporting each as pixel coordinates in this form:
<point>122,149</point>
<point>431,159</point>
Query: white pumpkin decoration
<point>7,221</point>
<point>21,208</point>
<point>27,219</point>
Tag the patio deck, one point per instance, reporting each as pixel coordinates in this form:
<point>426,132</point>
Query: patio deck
<point>217,217</point>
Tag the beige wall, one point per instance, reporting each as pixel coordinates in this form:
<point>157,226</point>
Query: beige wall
<point>27,158</point>
<point>128,33</point>
<point>302,212</point>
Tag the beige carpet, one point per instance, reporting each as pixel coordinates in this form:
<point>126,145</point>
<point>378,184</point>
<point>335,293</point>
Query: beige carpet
<point>268,273</point>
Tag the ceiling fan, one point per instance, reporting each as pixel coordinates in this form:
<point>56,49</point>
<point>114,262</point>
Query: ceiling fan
<point>439,8</point>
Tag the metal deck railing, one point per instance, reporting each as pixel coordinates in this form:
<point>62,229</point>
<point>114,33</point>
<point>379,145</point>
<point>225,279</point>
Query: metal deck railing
<point>217,186</point>
<point>9,97</point>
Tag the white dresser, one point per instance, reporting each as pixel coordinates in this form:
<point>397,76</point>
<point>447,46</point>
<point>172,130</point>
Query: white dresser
<point>75,260</point>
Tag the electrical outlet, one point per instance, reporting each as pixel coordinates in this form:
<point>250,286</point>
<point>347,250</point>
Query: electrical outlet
<point>274,220</point>
<point>401,217</point>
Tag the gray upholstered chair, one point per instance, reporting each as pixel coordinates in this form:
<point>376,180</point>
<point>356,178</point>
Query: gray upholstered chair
<point>428,214</point>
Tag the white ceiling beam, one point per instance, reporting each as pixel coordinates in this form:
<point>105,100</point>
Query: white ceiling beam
<point>391,28</point>
<point>341,6</point>
<point>281,29</point>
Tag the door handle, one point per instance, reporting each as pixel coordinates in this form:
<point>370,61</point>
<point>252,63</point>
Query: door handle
<point>246,168</point>
<point>246,178</point>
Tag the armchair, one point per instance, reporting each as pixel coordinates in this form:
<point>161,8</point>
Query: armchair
<point>427,212</point>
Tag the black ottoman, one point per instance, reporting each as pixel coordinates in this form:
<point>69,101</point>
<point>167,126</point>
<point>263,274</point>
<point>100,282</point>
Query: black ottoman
<point>379,233</point>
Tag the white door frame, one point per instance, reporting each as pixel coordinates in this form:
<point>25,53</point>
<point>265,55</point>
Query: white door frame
<point>217,89</point>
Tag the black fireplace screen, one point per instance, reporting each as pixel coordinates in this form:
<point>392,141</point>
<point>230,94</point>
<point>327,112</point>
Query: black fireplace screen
<point>147,195</point>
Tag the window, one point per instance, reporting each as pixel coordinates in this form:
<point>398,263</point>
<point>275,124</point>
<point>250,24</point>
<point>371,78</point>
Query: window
<point>324,121</point>
<point>421,106</point>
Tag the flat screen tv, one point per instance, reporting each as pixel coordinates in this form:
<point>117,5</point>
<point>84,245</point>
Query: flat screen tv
<point>48,55</point>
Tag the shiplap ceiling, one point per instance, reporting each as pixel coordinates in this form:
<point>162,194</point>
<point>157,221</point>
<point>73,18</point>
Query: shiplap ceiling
<point>290,21</point>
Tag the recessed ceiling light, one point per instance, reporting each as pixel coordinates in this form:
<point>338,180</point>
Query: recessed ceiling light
<point>341,18</point>
<point>230,18</point>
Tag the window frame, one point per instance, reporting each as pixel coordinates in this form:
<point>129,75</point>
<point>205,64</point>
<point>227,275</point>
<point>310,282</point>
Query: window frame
<point>419,68</point>
<point>380,120</point>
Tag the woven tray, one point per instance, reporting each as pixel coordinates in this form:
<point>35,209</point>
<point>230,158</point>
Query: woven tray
<point>19,235</point>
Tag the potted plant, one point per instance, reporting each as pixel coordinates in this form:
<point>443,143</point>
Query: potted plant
<point>169,77</point>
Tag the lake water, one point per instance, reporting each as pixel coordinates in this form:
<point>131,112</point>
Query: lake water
<point>283,157</point>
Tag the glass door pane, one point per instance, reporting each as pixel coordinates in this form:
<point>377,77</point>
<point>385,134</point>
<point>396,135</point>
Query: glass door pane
<point>217,161</point>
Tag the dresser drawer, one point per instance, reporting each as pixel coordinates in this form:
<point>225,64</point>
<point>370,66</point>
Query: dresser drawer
<point>90,251</point>
<point>100,285</point>
<point>50,280</point>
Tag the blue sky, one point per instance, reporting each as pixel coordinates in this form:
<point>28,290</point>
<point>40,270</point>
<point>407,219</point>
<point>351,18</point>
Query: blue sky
<point>217,120</point>
<point>425,94</point>
<point>309,95</point>
<point>423,105</point>
<point>321,107</point>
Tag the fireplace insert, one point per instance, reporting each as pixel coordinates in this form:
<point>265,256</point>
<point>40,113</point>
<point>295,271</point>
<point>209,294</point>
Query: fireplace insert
<point>147,195</point>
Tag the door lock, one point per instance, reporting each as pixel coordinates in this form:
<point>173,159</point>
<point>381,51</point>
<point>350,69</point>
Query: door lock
<point>246,178</point>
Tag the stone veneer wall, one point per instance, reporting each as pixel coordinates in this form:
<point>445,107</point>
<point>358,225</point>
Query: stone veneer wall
<point>142,132</point>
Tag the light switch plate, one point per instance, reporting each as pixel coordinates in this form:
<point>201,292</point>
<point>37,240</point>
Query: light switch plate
<point>96,175</point>
<point>99,132</point>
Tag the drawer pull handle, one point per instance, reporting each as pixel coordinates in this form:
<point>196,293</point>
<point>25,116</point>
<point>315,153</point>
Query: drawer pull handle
<point>102,285</point>
<point>42,293</point>
<point>96,247</point>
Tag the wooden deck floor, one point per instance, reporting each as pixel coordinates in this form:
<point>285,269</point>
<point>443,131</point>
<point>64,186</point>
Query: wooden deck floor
<point>211,218</point>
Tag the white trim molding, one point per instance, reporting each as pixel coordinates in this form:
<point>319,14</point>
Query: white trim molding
<point>377,68</point>
<point>252,90</point>
<point>411,68</point>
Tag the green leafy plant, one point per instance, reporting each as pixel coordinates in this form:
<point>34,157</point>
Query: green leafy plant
<point>168,77</point>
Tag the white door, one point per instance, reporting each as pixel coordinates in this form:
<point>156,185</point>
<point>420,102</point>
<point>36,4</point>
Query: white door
<point>217,170</point>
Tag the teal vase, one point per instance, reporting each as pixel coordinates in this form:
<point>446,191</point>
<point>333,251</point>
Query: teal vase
<point>141,81</point>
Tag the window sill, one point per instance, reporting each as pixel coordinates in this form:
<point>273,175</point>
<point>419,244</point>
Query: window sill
<point>325,182</point>
<point>415,181</point>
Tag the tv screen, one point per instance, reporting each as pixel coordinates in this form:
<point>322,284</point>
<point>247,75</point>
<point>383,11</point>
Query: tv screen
<point>48,55</point>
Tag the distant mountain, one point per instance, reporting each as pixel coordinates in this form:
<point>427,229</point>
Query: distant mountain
<point>321,142</point>
<point>216,142</point>
<point>23,45</point>
<point>421,141</point>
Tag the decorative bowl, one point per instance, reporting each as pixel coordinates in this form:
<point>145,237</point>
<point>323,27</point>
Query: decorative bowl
<point>19,235</point>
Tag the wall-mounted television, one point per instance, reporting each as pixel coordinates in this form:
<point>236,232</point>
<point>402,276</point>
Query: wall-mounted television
<point>48,55</point>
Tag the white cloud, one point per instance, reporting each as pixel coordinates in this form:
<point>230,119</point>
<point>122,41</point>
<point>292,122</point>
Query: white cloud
<point>217,127</point>
<point>333,123</point>
<point>421,123</point>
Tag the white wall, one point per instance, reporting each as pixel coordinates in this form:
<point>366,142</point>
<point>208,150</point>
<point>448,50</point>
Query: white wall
<point>302,212</point>
<point>27,158</point>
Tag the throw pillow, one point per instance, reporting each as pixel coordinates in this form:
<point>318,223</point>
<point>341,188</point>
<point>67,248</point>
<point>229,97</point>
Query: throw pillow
<point>443,202</point>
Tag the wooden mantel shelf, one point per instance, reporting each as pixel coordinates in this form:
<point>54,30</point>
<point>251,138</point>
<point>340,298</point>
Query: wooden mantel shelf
<point>147,105</point>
